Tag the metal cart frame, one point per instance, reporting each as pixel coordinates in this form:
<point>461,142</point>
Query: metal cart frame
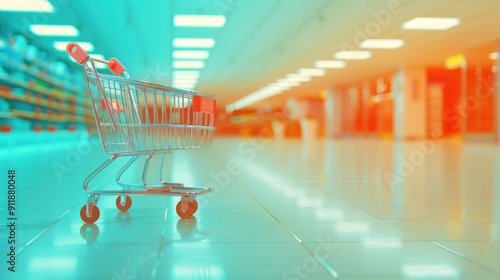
<point>136,118</point>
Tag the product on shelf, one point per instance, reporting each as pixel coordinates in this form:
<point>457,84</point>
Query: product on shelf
<point>39,95</point>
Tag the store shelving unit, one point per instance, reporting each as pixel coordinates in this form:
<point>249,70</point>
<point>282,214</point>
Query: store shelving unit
<point>34,99</point>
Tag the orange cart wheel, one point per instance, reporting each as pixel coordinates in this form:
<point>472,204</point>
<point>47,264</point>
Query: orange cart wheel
<point>186,213</point>
<point>128,203</point>
<point>91,219</point>
<point>195,205</point>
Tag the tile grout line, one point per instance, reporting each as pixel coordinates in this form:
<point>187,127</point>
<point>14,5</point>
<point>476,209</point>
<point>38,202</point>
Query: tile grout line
<point>465,258</point>
<point>44,231</point>
<point>448,249</point>
<point>320,260</point>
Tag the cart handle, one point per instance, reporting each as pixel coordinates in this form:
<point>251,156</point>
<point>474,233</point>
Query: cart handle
<point>80,56</point>
<point>77,53</point>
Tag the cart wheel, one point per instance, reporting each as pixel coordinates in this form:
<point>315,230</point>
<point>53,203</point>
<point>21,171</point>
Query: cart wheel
<point>128,203</point>
<point>186,213</point>
<point>91,219</point>
<point>195,205</point>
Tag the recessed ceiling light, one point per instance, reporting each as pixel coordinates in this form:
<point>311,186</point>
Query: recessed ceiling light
<point>190,54</point>
<point>283,82</point>
<point>352,55</point>
<point>311,72</point>
<point>183,84</point>
<point>330,64</point>
<point>199,21</point>
<point>494,55</point>
<point>61,46</point>
<point>382,44</point>
<point>268,91</point>
<point>276,87</point>
<point>253,98</point>
<point>54,30</point>
<point>194,43</point>
<point>298,78</point>
<point>26,6</point>
<point>185,81</point>
<point>186,87</point>
<point>430,23</point>
<point>184,73</point>
<point>193,64</point>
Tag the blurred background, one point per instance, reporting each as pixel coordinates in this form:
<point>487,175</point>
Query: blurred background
<point>395,69</point>
<point>371,126</point>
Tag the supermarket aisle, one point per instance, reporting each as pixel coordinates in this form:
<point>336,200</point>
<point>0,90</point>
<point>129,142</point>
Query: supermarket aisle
<point>358,209</point>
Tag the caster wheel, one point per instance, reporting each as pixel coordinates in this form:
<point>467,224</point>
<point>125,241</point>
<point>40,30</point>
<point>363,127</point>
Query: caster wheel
<point>195,205</point>
<point>187,211</point>
<point>91,219</point>
<point>120,206</point>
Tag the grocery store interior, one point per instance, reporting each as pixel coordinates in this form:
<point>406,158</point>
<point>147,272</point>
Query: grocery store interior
<point>249,139</point>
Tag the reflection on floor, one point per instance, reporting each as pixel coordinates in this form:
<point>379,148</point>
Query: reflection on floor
<point>350,209</point>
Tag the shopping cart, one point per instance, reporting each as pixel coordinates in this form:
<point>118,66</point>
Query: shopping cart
<point>136,118</point>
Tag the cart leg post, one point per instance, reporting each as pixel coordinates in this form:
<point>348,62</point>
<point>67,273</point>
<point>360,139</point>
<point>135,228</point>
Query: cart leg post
<point>160,169</point>
<point>160,175</point>
<point>145,170</point>
<point>97,171</point>
<point>123,169</point>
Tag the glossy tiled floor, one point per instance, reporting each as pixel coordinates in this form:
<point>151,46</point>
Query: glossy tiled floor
<point>351,209</point>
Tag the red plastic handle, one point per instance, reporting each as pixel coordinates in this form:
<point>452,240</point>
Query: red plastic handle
<point>76,52</point>
<point>115,66</point>
<point>203,104</point>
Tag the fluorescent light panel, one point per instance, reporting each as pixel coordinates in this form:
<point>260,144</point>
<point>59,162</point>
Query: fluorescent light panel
<point>186,74</point>
<point>193,43</point>
<point>311,72</point>
<point>297,78</point>
<point>199,20</point>
<point>188,64</point>
<point>249,99</point>
<point>61,46</point>
<point>382,44</point>
<point>352,55</point>
<point>256,96</point>
<point>40,6</point>
<point>286,83</point>
<point>184,81</point>
<point>190,54</point>
<point>54,30</point>
<point>330,64</point>
<point>184,85</point>
<point>430,23</point>
<point>276,86</point>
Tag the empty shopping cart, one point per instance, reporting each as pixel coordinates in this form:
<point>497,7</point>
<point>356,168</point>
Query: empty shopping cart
<point>136,118</point>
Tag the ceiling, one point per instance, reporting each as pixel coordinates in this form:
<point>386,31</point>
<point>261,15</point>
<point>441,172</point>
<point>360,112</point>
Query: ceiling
<point>264,40</point>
